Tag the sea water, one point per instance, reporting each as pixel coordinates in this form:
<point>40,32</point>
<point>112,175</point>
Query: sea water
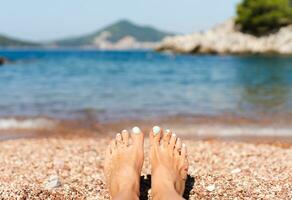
<point>113,85</point>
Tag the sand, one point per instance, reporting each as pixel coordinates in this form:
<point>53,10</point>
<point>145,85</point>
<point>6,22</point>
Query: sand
<point>218,169</point>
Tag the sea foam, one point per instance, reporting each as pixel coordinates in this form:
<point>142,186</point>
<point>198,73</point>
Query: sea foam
<point>37,123</point>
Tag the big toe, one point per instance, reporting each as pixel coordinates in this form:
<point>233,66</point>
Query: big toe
<point>137,136</point>
<point>155,135</point>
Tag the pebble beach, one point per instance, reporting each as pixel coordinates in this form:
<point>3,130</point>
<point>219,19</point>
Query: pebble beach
<point>72,168</point>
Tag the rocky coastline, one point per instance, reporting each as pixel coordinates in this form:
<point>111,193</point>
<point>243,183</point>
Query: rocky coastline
<point>227,39</point>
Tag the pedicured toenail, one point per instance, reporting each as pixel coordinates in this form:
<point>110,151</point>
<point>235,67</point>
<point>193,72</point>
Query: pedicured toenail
<point>124,131</point>
<point>173,135</point>
<point>183,145</point>
<point>167,131</point>
<point>136,130</point>
<point>156,130</point>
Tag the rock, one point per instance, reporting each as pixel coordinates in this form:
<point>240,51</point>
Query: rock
<point>127,42</point>
<point>226,39</point>
<point>52,182</point>
<point>3,60</point>
<point>236,171</point>
<point>211,188</point>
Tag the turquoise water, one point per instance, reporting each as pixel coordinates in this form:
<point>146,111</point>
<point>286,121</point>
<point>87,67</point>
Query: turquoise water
<point>129,84</point>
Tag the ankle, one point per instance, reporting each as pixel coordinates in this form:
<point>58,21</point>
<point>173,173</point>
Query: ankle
<point>161,186</point>
<point>131,191</point>
<point>164,192</point>
<point>126,194</point>
<point>134,187</point>
<point>164,188</point>
<point>128,181</point>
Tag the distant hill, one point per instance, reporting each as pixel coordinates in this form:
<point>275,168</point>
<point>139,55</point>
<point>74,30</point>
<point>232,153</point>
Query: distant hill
<point>123,32</point>
<point>12,42</point>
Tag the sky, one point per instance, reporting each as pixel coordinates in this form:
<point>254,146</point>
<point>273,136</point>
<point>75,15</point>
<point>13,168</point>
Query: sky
<point>45,20</point>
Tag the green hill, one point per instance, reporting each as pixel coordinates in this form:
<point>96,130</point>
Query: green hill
<point>116,32</point>
<point>11,42</point>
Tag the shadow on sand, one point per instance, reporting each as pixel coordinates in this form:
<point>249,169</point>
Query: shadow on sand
<point>146,185</point>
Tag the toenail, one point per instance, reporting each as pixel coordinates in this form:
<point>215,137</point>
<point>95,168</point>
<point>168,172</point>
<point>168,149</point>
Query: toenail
<point>136,130</point>
<point>184,145</point>
<point>167,131</point>
<point>156,130</point>
<point>173,135</point>
<point>124,131</point>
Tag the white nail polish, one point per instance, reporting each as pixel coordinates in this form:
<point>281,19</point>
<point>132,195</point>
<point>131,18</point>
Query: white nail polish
<point>136,130</point>
<point>124,131</point>
<point>183,145</point>
<point>156,130</point>
<point>119,136</point>
<point>173,135</point>
<point>167,131</point>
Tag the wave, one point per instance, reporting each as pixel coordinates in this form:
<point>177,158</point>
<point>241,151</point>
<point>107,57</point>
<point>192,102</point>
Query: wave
<point>36,123</point>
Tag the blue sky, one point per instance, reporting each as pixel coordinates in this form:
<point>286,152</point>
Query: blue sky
<point>51,19</point>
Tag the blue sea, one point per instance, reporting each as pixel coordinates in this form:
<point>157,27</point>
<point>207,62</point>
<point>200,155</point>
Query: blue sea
<point>113,85</point>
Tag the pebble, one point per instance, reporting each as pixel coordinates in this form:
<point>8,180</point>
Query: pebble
<point>52,182</point>
<point>211,188</point>
<point>236,171</point>
<point>212,169</point>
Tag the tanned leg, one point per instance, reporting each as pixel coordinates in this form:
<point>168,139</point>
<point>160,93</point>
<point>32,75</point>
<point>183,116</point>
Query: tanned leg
<point>123,165</point>
<point>169,165</point>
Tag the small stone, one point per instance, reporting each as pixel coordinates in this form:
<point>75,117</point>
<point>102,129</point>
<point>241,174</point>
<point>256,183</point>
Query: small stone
<point>236,171</point>
<point>211,188</point>
<point>52,182</point>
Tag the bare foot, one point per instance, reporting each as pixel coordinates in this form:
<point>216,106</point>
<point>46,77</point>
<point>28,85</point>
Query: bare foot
<point>169,164</point>
<point>123,164</point>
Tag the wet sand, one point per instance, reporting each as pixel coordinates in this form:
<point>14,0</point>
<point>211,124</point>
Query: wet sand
<point>203,127</point>
<point>72,157</point>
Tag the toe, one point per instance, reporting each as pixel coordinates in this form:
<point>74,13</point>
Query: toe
<point>177,148</point>
<point>184,171</point>
<point>137,136</point>
<point>166,137</point>
<point>119,140</point>
<point>184,151</point>
<point>113,146</point>
<point>172,141</point>
<point>125,136</point>
<point>155,135</point>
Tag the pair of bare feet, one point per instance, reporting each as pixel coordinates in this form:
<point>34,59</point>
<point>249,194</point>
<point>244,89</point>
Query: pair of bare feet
<point>124,161</point>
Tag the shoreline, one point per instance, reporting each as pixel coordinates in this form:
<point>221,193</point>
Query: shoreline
<point>225,127</point>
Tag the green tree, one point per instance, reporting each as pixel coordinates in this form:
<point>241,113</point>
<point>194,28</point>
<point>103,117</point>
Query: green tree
<point>260,17</point>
